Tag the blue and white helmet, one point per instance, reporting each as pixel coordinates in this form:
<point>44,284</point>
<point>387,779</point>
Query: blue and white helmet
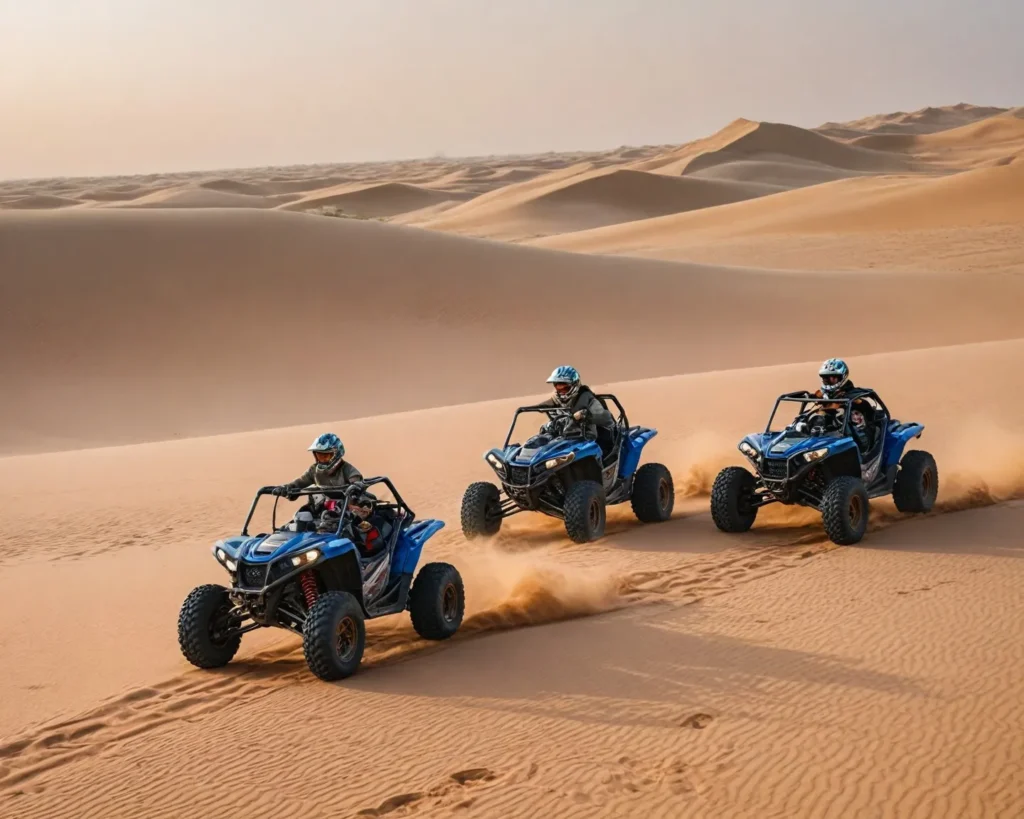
<point>328,450</point>
<point>568,376</point>
<point>834,375</point>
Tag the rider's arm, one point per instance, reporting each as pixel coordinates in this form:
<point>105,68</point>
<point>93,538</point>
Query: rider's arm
<point>599,415</point>
<point>350,472</point>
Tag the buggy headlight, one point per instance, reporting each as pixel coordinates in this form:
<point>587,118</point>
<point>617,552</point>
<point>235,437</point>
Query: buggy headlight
<point>495,461</point>
<point>306,557</point>
<point>748,450</point>
<point>561,460</point>
<point>232,566</point>
<point>816,455</point>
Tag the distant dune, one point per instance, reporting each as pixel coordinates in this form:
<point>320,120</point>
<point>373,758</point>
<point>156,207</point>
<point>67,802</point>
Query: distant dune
<point>592,199</point>
<point>388,199</point>
<point>39,202</point>
<point>197,197</point>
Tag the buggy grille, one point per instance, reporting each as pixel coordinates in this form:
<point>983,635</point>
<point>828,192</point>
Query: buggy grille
<point>775,468</point>
<point>519,475</point>
<point>252,576</point>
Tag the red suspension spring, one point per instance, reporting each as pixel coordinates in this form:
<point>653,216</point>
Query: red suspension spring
<point>308,588</point>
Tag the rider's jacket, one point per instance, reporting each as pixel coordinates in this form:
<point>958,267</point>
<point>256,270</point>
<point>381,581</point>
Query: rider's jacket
<point>599,416</point>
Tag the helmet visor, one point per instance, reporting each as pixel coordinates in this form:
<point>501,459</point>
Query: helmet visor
<point>831,379</point>
<point>563,388</point>
<point>324,456</point>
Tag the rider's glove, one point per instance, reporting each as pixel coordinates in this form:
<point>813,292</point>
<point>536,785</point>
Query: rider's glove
<point>279,491</point>
<point>581,415</point>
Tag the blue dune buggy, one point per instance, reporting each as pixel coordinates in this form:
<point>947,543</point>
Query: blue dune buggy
<point>321,575</point>
<point>566,474</point>
<point>815,461</point>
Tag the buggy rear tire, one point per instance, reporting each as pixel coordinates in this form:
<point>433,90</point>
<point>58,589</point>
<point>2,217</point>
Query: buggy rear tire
<point>481,510</point>
<point>204,630</point>
<point>437,601</point>
<point>845,510</point>
<point>731,496</point>
<point>917,482</point>
<point>653,495</point>
<point>334,636</point>
<point>585,511</point>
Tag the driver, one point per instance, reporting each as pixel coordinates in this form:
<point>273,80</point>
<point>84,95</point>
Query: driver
<point>580,401</point>
<point>836,383</point>
<point>329,469</point>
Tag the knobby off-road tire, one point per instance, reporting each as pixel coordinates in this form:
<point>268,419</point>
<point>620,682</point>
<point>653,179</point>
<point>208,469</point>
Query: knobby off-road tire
<point>481,510</point>
<point>845,510</point>
<point>732,496</point>
<point>437,601</point>
<point>204,632</point>
<point>334,636</point>
<point>917,482</point>
<point>653,495</point>
<point>585,511</point>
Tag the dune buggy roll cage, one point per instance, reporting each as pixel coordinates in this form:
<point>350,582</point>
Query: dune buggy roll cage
<point>551,412</point>
<point>401,508</point>
<point>805,399</point>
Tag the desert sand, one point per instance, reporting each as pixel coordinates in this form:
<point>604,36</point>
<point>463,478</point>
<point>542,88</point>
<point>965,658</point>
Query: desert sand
<point>172,342</point>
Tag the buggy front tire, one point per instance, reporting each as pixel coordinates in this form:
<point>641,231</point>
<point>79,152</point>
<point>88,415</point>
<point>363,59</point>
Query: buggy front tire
<point>732,500</point>
<point>481,510</point>
<point>206,634</point>
<point>585,511</point>
<point>845,510</point>
<point>917,482</point>
<point>653,495</point>
<point>334,636</point>
<point>437,601</point>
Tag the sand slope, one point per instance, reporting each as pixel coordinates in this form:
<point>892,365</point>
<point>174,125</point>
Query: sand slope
<point>982,197</point>
<point>659,707</point>
<point>132,324</point>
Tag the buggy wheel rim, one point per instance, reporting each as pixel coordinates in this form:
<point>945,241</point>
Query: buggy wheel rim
<point>856,511</point>
<point>220,625</point>
<point>449,603</point>
<point>594,514</point>
<point>492,511</point>
<point>346,639</point>
<point>663,494</point>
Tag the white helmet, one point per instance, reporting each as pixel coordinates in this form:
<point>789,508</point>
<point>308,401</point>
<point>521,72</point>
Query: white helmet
<point>328,450</point>
<point>568,377</point>
<point>834,376</point>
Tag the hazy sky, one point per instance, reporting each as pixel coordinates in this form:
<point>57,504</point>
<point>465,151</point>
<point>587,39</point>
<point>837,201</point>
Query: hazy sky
<point>126,86</point>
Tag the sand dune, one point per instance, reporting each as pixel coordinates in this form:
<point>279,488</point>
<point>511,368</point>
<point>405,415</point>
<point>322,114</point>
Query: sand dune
<point>777,139</point>
<point>982,197</point>
<point>388,199</point>
<point>39,202</point>
<point>197,197</point>
<point>139,314</point>
<point>592,200</point>
<point>924,121</point>
<point>674,714</point>
<point>193,319</point>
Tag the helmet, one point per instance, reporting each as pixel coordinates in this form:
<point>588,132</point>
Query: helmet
<point>327,450</point>
<point>362,505</point>
<point>567,376</point>
<point>834,374</point>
